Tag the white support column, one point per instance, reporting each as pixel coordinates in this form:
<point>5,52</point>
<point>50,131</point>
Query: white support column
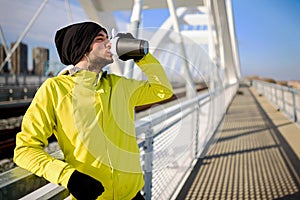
<point>213,46</point>
<point>8,56</point>
<point>211,33</point>
<point>70,18</point>
<point>5,48</point>
<point>3,40</point>
<point>219,33</point>
<point>232,33</point>
<point>148,163</point>
<point>190,86</point>
<point>173,15</point>
<point>134,29</point>
<point>135,19</point>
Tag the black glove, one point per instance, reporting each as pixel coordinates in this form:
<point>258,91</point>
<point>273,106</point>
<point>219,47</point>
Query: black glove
<point>125,35</point>
<point>138,196</point>
<point>128,48</point>
<point>82,186</point>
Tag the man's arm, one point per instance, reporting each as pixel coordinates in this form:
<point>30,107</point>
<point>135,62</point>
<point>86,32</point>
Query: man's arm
<point>157,87</point>
<point>37,127</point>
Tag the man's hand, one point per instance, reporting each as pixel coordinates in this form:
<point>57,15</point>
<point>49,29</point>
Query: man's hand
<point>125,35</point>
<point>82,186</point>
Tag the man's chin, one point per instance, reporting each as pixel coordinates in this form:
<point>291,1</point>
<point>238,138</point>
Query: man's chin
<point>109,61</point>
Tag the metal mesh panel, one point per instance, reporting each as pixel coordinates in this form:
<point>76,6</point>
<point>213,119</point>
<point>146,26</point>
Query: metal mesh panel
<point>172,139</point>
<point>172,155</point>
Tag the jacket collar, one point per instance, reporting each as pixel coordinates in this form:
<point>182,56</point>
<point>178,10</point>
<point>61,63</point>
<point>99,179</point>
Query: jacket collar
<point>88,78</point>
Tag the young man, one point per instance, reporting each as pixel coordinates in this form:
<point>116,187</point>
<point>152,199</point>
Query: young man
<point>91,114</point>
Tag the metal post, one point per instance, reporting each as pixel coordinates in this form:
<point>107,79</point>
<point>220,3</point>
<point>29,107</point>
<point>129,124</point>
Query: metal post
<point>24,78</point>
<point>272,93</point>
<point>211,41</point>
<point>197,129</point>
<point>17,79</point>
<point>6,78</point>
<point>294,104</point>
<point>134,29</point>
<point>5,49</point>
<point>69,11</point>
<point>3,40</point>
<point>148,159</point>
<point>282,98</point>
<point>276,97</point>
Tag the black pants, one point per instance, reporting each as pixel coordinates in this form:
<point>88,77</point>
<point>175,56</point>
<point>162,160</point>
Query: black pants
<point>138,196</point>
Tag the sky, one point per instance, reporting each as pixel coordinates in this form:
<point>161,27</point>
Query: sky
<point>267,31</point>
<point>268,34</point>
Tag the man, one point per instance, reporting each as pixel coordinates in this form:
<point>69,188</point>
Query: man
<point>91,114</point>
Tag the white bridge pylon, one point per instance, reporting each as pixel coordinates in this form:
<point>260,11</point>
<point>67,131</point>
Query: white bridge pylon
<point>207,24</point>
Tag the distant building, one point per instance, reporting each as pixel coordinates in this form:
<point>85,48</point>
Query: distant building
<point>2,58</point>
<point>294,84</point>
<point>19,59</point>
<point>40,60</point>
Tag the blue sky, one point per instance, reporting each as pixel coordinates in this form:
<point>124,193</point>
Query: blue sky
<point>268,34</point>
<point>267,31</point>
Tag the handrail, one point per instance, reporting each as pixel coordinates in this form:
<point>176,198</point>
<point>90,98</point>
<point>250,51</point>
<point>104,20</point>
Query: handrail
<point>19,182</point>
<point>285,99</point>
<point>155,119</point>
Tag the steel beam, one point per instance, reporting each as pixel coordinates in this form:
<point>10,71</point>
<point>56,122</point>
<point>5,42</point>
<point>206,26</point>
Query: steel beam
<point>190,86</point>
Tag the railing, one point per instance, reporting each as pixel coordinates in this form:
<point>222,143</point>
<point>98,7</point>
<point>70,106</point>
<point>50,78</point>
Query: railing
<point>284,98</point>
<point>170,141</point>
<point>11,93</point>
<point>176,137</point>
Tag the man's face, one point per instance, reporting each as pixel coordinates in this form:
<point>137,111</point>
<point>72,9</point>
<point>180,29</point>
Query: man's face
<point>100,54</point>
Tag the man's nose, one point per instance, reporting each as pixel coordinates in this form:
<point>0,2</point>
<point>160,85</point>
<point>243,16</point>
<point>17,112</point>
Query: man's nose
<point>108,44</point>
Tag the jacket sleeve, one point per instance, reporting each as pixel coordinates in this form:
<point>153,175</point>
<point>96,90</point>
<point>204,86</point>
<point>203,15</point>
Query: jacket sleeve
<point>157,87</point>
<point>37,126</point>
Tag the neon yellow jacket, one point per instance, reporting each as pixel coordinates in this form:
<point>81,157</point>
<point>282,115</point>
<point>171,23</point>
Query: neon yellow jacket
<point>92,118</point>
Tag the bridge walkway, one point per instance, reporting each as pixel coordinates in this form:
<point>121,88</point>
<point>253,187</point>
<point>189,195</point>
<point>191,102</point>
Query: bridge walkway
<point>254,156</point>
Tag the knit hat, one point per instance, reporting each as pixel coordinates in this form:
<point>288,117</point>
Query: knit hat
<point>73,41</point>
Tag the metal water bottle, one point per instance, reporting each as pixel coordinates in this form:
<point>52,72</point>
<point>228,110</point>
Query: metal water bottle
<point>127,47</point>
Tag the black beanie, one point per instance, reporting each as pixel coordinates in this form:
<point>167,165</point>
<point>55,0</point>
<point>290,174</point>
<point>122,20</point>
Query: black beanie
<point>73,41</point>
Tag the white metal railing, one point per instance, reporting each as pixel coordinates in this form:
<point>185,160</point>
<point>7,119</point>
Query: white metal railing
<point>284,98</point>
<point>175,137</point>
